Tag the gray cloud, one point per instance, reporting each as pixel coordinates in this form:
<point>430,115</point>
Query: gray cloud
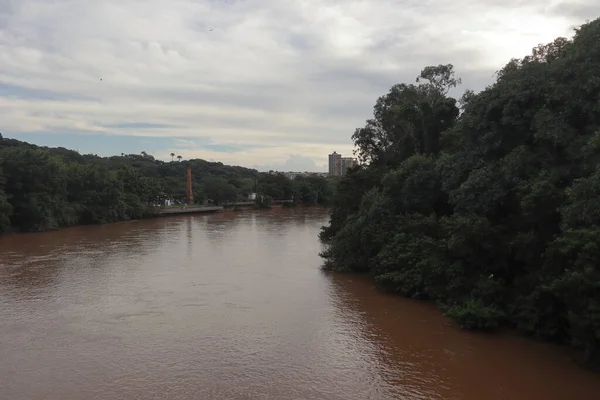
<point>580,10</point>
<point>272,78</point>
<point>294,163</point>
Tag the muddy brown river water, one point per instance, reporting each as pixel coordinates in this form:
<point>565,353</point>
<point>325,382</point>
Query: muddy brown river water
<point>235,306</point>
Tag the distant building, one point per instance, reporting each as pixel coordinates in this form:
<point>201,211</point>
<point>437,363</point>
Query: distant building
<point>335,164</point>
<point>347,163</point>
<point>338,165</point>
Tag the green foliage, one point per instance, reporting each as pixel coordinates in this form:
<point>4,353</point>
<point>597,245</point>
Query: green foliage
<point>348,197</point>
<point>493,213</point>
<point>219,190</point>
<point>44,188</point>
<point>474,314</point>
<point>5,206</point>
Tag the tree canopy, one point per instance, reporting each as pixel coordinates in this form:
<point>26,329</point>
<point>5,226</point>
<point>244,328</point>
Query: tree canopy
<point>44,188</point>
<point>489,205</point>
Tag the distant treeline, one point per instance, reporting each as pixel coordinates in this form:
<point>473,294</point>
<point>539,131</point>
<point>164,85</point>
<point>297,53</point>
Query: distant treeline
<point>44,188</point>
<point>488,205</point>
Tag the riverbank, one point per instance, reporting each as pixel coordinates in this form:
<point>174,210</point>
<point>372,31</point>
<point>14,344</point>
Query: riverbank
<point>45,188</point>
<point>157,212</point>
<point>189,210</point>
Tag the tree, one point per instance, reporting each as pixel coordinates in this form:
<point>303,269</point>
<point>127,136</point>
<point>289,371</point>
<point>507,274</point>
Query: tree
<point>172,156</point>
<point>179,158</point>
<point>5,206</point>
<point>440,77</point>
<point>276,186</point>
<point>219,190</point>
<point>493,213</point>
<point>409,119</point>
<point>36,183</point>
<point>44,188</point>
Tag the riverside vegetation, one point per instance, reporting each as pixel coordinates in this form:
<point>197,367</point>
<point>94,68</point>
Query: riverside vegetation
<point>488,205</point>
<point>45,188</point>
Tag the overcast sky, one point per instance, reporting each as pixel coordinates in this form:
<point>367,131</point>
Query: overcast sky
<point>270,83</point>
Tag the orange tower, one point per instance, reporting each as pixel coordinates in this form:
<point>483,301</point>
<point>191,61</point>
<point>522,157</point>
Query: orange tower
<point>189,186</point>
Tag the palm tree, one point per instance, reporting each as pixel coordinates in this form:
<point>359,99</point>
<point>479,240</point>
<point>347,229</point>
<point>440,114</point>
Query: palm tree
<point>172,155</point>
<point>179,158</point>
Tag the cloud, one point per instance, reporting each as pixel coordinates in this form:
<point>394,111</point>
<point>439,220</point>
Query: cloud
<point>250,82</point>
<point>577,9</point>
<point>294,163</point>
<point>138,125</point>
<point>307,156</point>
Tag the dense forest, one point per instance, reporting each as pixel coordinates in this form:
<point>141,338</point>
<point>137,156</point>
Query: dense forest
<point>44,188</point>
<point>488,205</point>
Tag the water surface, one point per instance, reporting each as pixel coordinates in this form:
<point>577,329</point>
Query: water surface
<point>234,306</point>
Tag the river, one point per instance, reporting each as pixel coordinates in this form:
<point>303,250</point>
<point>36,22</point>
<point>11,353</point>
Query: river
<point>235,306</point>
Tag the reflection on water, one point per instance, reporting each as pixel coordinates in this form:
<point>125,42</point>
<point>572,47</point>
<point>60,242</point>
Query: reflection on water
<point>234,306</point>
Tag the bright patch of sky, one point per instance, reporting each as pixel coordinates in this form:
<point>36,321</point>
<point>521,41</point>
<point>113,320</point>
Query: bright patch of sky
<point>259,83</point>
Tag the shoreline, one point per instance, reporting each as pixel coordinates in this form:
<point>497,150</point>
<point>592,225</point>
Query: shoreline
<point>162,214</point>
<point>189,210</point>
